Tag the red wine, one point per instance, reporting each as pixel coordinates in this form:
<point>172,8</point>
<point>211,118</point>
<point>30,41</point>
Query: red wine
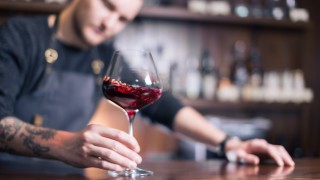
<point>127,96</point>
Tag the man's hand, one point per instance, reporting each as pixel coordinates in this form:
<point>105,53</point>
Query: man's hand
<point>101,147</point>
<point>248,151</point>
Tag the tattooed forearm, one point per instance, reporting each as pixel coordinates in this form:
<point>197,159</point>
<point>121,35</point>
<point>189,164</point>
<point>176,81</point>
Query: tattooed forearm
<point>36,148</point>
<point>43,133</point>
<point>16,135</point>
<point>34,132</point>
<point>9,129</point>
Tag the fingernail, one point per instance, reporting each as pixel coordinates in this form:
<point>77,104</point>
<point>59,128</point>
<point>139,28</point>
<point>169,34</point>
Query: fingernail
<point>256,161</point>
<point>138,159</point>
<point>119,168</point>
<point>137,149</point>
<point>292,163</point>
<point>280,163</point>
<point>132,165</point>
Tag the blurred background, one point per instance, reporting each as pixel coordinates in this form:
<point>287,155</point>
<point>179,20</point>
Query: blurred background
<point>249,66</point>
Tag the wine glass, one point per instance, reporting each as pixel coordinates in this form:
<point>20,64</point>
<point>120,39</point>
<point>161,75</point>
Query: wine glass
<point>132,82</point>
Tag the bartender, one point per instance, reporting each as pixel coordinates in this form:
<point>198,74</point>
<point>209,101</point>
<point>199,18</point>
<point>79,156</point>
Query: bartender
<point>50,69</point>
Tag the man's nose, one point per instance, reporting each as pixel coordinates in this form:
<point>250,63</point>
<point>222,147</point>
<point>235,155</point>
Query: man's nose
<point>112,19</point>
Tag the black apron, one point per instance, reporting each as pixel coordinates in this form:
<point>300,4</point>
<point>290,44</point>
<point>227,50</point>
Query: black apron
<point>63,100</point>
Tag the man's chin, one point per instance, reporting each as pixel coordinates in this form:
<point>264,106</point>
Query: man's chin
<point>94,42</point>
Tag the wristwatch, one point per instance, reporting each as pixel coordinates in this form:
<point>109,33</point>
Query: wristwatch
<point>221,147</point>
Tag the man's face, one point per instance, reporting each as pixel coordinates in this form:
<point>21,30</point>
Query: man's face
<point>99,20</point>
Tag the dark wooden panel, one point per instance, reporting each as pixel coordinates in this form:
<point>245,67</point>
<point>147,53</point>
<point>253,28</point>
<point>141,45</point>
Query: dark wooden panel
<point>221,39</point>
<point>280,50</point>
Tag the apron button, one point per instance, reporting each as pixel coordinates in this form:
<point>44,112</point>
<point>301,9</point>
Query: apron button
<point>38,120</point>
<point>97,65</point>
<point>51,55</point>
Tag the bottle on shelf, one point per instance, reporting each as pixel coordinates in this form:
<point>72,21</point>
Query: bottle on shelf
<point>291,4</point>
<point>218,7</point>
<point>272,87</point>
<point>256,9</point>
<point>227,91</point>
<point>241,8</point>
<point>276,9</point>
<point>209,75</point>
<point>252,91</point>
<point>296,14</point>
<point>255,69</point>
<point>193,79</point>
<point>239,71</point>
<point>176,82</point>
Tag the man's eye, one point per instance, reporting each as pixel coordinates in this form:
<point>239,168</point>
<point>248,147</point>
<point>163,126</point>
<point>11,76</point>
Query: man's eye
<point>123,19</point>
<point>109,5</point>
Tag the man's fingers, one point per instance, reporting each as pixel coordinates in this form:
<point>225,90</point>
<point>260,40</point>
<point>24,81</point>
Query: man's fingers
<point>246,153</point>
<point>280,155</point>
<point>245,158</point>
<point>122,137</point>
<point>103,164</point>
<point>285,156</point>
<point>107,147</point>
<point>277,153</point>
<point>252,159</point>
<point>119,148</point>
<point>117,135</point>
<point>112,157</point>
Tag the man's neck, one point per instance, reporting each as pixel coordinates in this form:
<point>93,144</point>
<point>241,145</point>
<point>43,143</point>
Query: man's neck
<point>66,31</point>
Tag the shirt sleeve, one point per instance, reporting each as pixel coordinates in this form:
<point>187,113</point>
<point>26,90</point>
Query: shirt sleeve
<point>12,66</point>
<point>164,110</point>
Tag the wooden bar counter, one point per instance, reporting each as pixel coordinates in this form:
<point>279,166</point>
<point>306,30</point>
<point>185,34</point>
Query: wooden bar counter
<point>169,170</point>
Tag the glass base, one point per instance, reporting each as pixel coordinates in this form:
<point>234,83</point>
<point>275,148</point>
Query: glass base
<point>137,172</point>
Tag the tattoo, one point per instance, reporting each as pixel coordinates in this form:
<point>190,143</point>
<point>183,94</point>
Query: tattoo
<point>10,127</point>
<point>33,146</point>
<point>43,133</point>
<point>34,132</point>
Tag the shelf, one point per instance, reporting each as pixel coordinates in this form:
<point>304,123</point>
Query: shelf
<point>30,7</point>
<point>168,13</point>
<point>182,14</point>
<point>211,105</point>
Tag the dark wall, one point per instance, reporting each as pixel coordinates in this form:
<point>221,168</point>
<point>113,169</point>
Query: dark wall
<point>311,135</point>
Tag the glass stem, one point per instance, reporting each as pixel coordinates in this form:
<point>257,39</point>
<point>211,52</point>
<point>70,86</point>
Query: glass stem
<point>131,115</point>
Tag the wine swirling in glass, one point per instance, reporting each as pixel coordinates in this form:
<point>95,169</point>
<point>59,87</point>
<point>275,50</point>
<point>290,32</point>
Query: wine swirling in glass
<point>132,82</point>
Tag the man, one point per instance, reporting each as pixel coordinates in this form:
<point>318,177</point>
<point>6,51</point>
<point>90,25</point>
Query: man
<point>47,100</point>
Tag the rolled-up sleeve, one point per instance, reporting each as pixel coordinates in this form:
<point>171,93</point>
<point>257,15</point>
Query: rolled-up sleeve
<point>12,67</point>
<point>164,110</point>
